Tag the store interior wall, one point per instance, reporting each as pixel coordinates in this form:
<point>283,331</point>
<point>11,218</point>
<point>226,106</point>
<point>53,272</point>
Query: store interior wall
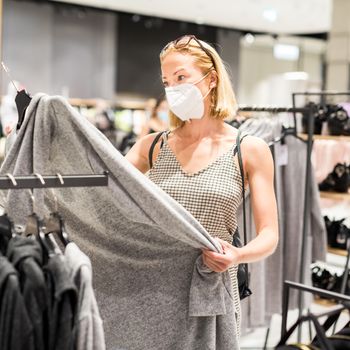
<point>90,53</point>
<point>229,49</point>
<point>263,77</point>
<point>140,41</point>
<point>58,49</point>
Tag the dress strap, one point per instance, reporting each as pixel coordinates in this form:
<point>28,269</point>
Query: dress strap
<point>154,142</point>
<point>240,141</point>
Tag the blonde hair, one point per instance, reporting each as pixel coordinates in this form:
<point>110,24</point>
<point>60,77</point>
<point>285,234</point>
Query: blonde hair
<point>224,104</point>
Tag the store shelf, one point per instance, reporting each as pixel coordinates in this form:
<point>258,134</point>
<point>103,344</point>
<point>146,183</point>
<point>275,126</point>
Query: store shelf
<point>324,302</point>
<point>337,251</point>
<point>335,195</point>
<point>326,137</point>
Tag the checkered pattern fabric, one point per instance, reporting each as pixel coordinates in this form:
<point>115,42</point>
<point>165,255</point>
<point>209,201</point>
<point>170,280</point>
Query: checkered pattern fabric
<point>212,195</point>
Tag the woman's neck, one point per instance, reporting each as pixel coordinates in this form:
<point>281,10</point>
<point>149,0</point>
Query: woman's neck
<point>197,129</point>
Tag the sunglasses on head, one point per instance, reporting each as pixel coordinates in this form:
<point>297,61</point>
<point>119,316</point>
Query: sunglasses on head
<point>184,41</point>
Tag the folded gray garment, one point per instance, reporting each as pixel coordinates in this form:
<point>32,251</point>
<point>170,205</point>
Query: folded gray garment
<point>150,284</point>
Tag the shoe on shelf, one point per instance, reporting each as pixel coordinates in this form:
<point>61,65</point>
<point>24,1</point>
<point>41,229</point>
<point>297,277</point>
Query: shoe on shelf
<point>322,278</point>
<point>320,116</point>
<point>338,180</point>
<point>337,233</point>
<point>338,121</point>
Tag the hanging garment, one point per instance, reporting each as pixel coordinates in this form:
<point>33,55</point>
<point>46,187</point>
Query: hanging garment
<point>285,262</point>
<point>62,304</point>
<point>151,286</point>
<point>26,256</point>
<point>258,308</point>
<point>89,328</point>
<point>16,330</point>
<point>212,195</point>
<point>293,185</point>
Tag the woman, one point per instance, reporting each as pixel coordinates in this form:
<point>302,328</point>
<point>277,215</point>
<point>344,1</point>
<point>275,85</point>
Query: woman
<point>158,120</point>
<point>196,162</point>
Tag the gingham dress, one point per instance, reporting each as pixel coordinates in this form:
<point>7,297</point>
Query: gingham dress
<point>212,195</point>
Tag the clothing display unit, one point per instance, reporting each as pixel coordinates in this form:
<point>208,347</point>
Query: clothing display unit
<point>133,233</point>
<point>47,299</point>
<point>332,195</point>
<point>307,179</point>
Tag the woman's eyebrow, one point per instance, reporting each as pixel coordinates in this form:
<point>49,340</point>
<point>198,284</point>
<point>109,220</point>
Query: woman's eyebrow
<point>179,70</point>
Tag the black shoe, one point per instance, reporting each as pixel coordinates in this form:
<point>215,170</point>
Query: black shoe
<point>338,180</point>
<point>339,122</point>
<point>322,278</point>
<point>337,233</point>
<point>320,116</point>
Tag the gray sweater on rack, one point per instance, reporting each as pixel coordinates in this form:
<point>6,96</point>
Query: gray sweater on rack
<point>151,287</point>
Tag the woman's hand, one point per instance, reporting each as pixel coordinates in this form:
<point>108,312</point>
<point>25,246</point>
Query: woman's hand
<point>221,262</point>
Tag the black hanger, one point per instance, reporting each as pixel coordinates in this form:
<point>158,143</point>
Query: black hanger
<point>6,232</point>
<point>286,131</point>
<point>22,99</point>
<point>34,229</point>
<point>22,102</point>
<point>55,224</point>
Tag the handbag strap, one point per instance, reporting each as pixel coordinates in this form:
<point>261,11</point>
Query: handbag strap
<point>151,150</point>
<point>240,162</point>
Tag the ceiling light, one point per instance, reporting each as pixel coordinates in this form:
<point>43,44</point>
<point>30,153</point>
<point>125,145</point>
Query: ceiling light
<point>200,20</point>
<point>286,52</point>
<point>135,18</point>
<point>249,38</point>
<point>296,76</point>
<point>270,14</point>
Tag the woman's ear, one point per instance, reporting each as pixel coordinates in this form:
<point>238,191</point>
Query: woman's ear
<point>213,80</point>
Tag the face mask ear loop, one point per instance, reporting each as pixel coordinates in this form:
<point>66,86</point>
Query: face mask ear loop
<point>203,77</point>
<point>204,97</point>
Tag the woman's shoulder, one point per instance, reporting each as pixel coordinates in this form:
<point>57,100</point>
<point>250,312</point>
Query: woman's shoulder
<point>145,143</point>
<point>254,147</point>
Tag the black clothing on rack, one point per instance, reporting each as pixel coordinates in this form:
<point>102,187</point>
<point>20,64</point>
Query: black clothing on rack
<point>38,304</point>
<point>25,253</point>
<point>62,305</point>
<point>15,327</point>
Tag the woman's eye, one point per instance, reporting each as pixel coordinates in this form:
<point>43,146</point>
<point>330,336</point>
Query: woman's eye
<point>165,84</point>
<point>180,77</point>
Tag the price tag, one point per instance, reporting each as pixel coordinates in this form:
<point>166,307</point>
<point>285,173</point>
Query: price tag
<point>281,154</point>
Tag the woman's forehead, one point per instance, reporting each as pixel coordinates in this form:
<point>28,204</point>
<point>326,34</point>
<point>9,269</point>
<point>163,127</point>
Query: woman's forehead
<point>175,61</point>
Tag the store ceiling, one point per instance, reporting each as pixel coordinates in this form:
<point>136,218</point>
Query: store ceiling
<point>273,16</point>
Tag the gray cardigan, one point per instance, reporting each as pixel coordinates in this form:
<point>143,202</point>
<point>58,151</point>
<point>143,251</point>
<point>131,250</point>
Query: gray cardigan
<point>151,287</point>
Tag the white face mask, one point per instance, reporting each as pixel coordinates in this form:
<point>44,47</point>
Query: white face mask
<point>186,100</point>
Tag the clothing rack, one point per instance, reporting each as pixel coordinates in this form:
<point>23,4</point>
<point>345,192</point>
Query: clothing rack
<point>309,111</point>
<point>287,285</point>
<point>322,94</point>
<point>49,181</point>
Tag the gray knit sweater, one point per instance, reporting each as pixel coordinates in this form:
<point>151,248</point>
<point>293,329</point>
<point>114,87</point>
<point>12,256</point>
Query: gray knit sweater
<point>151,287</point>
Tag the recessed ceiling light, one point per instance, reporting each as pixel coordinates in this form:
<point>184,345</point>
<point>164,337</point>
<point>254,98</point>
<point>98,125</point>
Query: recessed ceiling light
<point>270,14</point>
<point>296,76</point>
<point>200,20</point>
<point>286,52</point>
<point>249,38</point>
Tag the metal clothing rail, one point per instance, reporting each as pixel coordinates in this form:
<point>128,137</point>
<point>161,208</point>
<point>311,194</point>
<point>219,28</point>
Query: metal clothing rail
<point>274,109</point>
<point>323,94</point>
<point>320,93</point>
<point>49,181</point>
<point>287,285</point>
